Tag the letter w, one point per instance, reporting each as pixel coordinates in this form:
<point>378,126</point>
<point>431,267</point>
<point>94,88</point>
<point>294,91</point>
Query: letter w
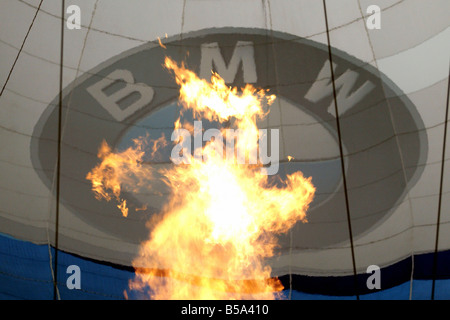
<point>347,95</point>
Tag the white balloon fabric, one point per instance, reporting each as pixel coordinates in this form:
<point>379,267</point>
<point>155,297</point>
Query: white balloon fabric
<point>67,87</point>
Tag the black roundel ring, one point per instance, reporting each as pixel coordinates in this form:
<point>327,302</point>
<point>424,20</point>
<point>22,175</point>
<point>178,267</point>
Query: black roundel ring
<point>382,132</point>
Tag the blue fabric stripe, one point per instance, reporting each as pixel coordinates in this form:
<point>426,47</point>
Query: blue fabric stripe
<point>24,270</point>
<point>25,274</point>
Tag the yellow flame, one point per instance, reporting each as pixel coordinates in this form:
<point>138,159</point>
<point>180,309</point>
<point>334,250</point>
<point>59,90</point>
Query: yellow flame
<point>221,220</point>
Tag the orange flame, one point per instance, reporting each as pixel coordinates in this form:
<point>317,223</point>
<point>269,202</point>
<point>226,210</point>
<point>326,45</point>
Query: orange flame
<point>221,220</point>
<point>117,170</point>
<point>160,43</point>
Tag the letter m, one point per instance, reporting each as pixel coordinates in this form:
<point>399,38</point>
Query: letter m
<point>243,52</point>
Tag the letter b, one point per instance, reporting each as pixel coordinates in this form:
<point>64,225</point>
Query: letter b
<point>228,309</point>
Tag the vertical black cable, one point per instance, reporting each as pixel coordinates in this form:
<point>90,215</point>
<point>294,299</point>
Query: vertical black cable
<point>58,160</point>
<point>21,48</point>
<point>344,180</point>
<point>436,245</point>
